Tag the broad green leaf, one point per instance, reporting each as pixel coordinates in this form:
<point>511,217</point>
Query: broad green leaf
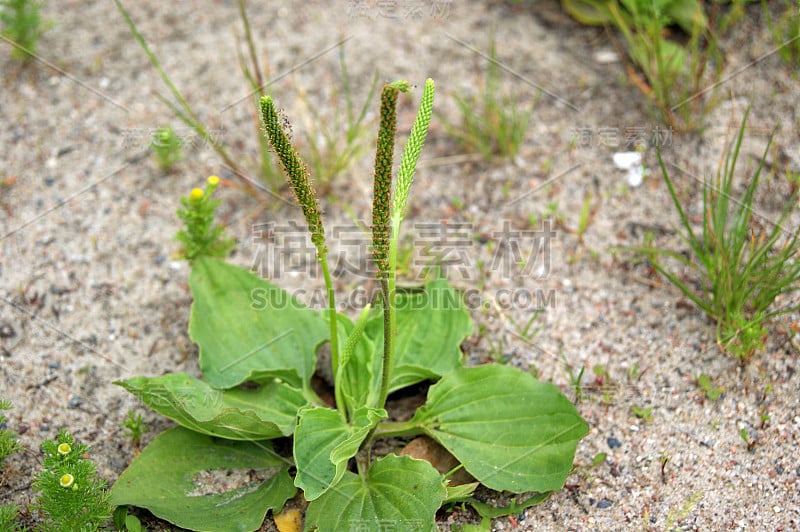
<point>266,412</point>
<point>323,444</point>
<point>249,329</point>
<point>509,430</point>
<point>398,493</point>
<point>175,478</point>
<point>431,324</point>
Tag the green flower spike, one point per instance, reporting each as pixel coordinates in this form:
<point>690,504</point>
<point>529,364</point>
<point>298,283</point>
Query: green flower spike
<point>297,173</point>
<point>384,158</point>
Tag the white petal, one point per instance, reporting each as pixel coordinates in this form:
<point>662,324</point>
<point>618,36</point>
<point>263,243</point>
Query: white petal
<point>635,175</point>
<point>625,160</point>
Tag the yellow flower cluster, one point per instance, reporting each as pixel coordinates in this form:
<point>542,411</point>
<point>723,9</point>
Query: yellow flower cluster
<point>197,193</point>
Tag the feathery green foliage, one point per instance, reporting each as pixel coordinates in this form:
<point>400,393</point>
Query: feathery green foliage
<point>202,237</point>
<point>8,438</point>
<point>8,516</point>
<point>72,497</point>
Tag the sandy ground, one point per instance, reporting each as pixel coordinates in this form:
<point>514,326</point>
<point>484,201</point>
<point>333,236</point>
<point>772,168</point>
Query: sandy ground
<point>89,292</point>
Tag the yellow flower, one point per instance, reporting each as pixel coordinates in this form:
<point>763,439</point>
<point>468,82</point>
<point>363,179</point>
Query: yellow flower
<point>64,449</point>
<point>66,480</point>
<point>196,194</point>
<point>213,180</point>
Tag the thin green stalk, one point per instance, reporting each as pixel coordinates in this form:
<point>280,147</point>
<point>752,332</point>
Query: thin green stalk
<point>258,82</point>
<point>323,260</point>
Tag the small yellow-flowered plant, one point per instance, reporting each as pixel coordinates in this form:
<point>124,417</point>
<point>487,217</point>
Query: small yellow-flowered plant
<point>71,496</point>
<point>201,235</point>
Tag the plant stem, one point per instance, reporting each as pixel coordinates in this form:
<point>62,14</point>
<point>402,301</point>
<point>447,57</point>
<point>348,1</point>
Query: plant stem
<point>323,260</point>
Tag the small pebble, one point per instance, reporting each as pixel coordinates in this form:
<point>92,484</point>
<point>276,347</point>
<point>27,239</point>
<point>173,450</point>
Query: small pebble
<point>74,402</point>
<point>7,331</point>
<point>604,504</point>
<point>613,442</point>
<point>606,56</point>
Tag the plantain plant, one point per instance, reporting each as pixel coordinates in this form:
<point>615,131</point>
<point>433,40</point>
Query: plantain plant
<point>231,461</point>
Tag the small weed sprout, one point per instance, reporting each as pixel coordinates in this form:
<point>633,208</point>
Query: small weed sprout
<point>22,25</point>
<point>709,390</point>
<point>750,442</point>
<point>743,266</point>
<point>166,147</point>
<point>492,123</point>
<point>134,427</point>
<point>643,413</point>
<point>202,237</point>
<point>71,497</point>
